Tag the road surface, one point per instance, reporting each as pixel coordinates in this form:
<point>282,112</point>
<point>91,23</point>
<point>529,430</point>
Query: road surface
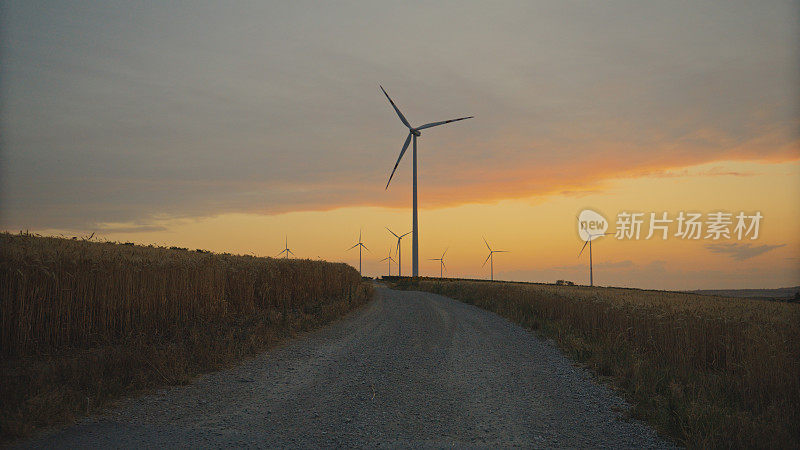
<point>409,369</point>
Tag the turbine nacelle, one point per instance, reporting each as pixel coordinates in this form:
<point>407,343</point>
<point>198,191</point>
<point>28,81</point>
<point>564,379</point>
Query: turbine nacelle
<point>415,132</point>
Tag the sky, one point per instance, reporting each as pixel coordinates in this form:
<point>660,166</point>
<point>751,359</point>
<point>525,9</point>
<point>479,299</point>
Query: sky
<point>231,126</point>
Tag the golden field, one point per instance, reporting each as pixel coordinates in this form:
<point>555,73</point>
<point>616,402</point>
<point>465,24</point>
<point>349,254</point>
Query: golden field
<point>83,323</point>
<point>706,371</point>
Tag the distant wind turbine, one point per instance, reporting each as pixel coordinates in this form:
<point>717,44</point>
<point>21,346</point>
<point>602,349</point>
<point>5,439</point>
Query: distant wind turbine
<point>441,263</point>
<point>399,259</point>
<point>413,133</point>
<point>491,257</point>
<point>360,245</point>
<point>390,259</point>
<point>286,249</point>
<point>589,242</point>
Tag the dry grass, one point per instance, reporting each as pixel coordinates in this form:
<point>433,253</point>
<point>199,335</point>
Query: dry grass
<point>707,371</point>
<point>83,323</point>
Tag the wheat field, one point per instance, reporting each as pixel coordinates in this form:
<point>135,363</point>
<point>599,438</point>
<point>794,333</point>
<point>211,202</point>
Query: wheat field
<point>83,323</point>
<point>707,371</point>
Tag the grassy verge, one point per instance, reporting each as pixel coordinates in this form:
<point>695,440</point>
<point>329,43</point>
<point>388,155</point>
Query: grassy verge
<point>705,371</point>
<point>85,323</point>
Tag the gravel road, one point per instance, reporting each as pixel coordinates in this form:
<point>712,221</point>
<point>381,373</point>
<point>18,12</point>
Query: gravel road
<point>411,369</point>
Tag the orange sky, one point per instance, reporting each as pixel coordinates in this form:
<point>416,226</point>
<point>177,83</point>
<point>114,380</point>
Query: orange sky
<point>540,232</point>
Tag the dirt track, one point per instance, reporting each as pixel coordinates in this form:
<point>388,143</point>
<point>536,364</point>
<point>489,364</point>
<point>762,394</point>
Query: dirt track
<point>410,369</point>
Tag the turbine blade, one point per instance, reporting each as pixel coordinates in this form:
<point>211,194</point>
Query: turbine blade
<point>365,247</point>
<point>445,252</point>
<point>487,259</point>
<point>487,244</point>
<point>433,259</point>
<point>279,254</point>
<point>436,124</point>
<point>290,252</point>
<point>399,114</point>
<point>501,251</point>
<point>405,235</point>
<point>445,267</point>
<point>390,231</point>
<point>353,247</point>
<point>405,146</point>
<point>384,259</point>
<point>584,246</point>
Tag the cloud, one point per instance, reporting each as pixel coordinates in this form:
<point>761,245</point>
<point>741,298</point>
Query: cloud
<point>741,251</point>
<point>107,119</point>
<point>132,228</point>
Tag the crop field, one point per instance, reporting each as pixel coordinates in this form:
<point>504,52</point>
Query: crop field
<point>706,371</point>
<point>83,323</point>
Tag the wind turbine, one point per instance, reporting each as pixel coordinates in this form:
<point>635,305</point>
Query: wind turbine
<point>413,133</point>
<point>360,245</point>
<point>491,257</point>
<point>399,259</point>
<point>588,241</point>
<point>441,263</point>
<point>390,259</point>
<point>286,249</point>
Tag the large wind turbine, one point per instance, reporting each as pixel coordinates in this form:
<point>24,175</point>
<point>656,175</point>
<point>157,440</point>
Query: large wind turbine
<point>588,241</point>
<point>286,249</point>
<point>390,259</point>
<point>399,259</point>
<point>441,263</point>
<point>413,133</point>
<point>360,245</point>
<point>491,257</point>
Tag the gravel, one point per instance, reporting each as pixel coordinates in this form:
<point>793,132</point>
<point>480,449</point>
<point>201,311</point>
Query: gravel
<point>411,369</point>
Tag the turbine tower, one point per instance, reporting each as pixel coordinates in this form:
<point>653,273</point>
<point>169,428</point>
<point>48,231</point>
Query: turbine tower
<point>360,245</point>
<point>399,259</point>
<point>491,257</point>
<point>441,263</point>
<point>391,260</point>
<point>588,241</point>
<point>413,133</point>
<point>286,249</point>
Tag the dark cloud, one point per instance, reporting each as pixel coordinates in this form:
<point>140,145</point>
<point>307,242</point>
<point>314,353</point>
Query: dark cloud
<point>741,251</point>
<point>131,229</point>
<point>117,112</point>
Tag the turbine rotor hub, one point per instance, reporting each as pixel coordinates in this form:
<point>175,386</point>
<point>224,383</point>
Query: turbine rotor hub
<point>415,132</point>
